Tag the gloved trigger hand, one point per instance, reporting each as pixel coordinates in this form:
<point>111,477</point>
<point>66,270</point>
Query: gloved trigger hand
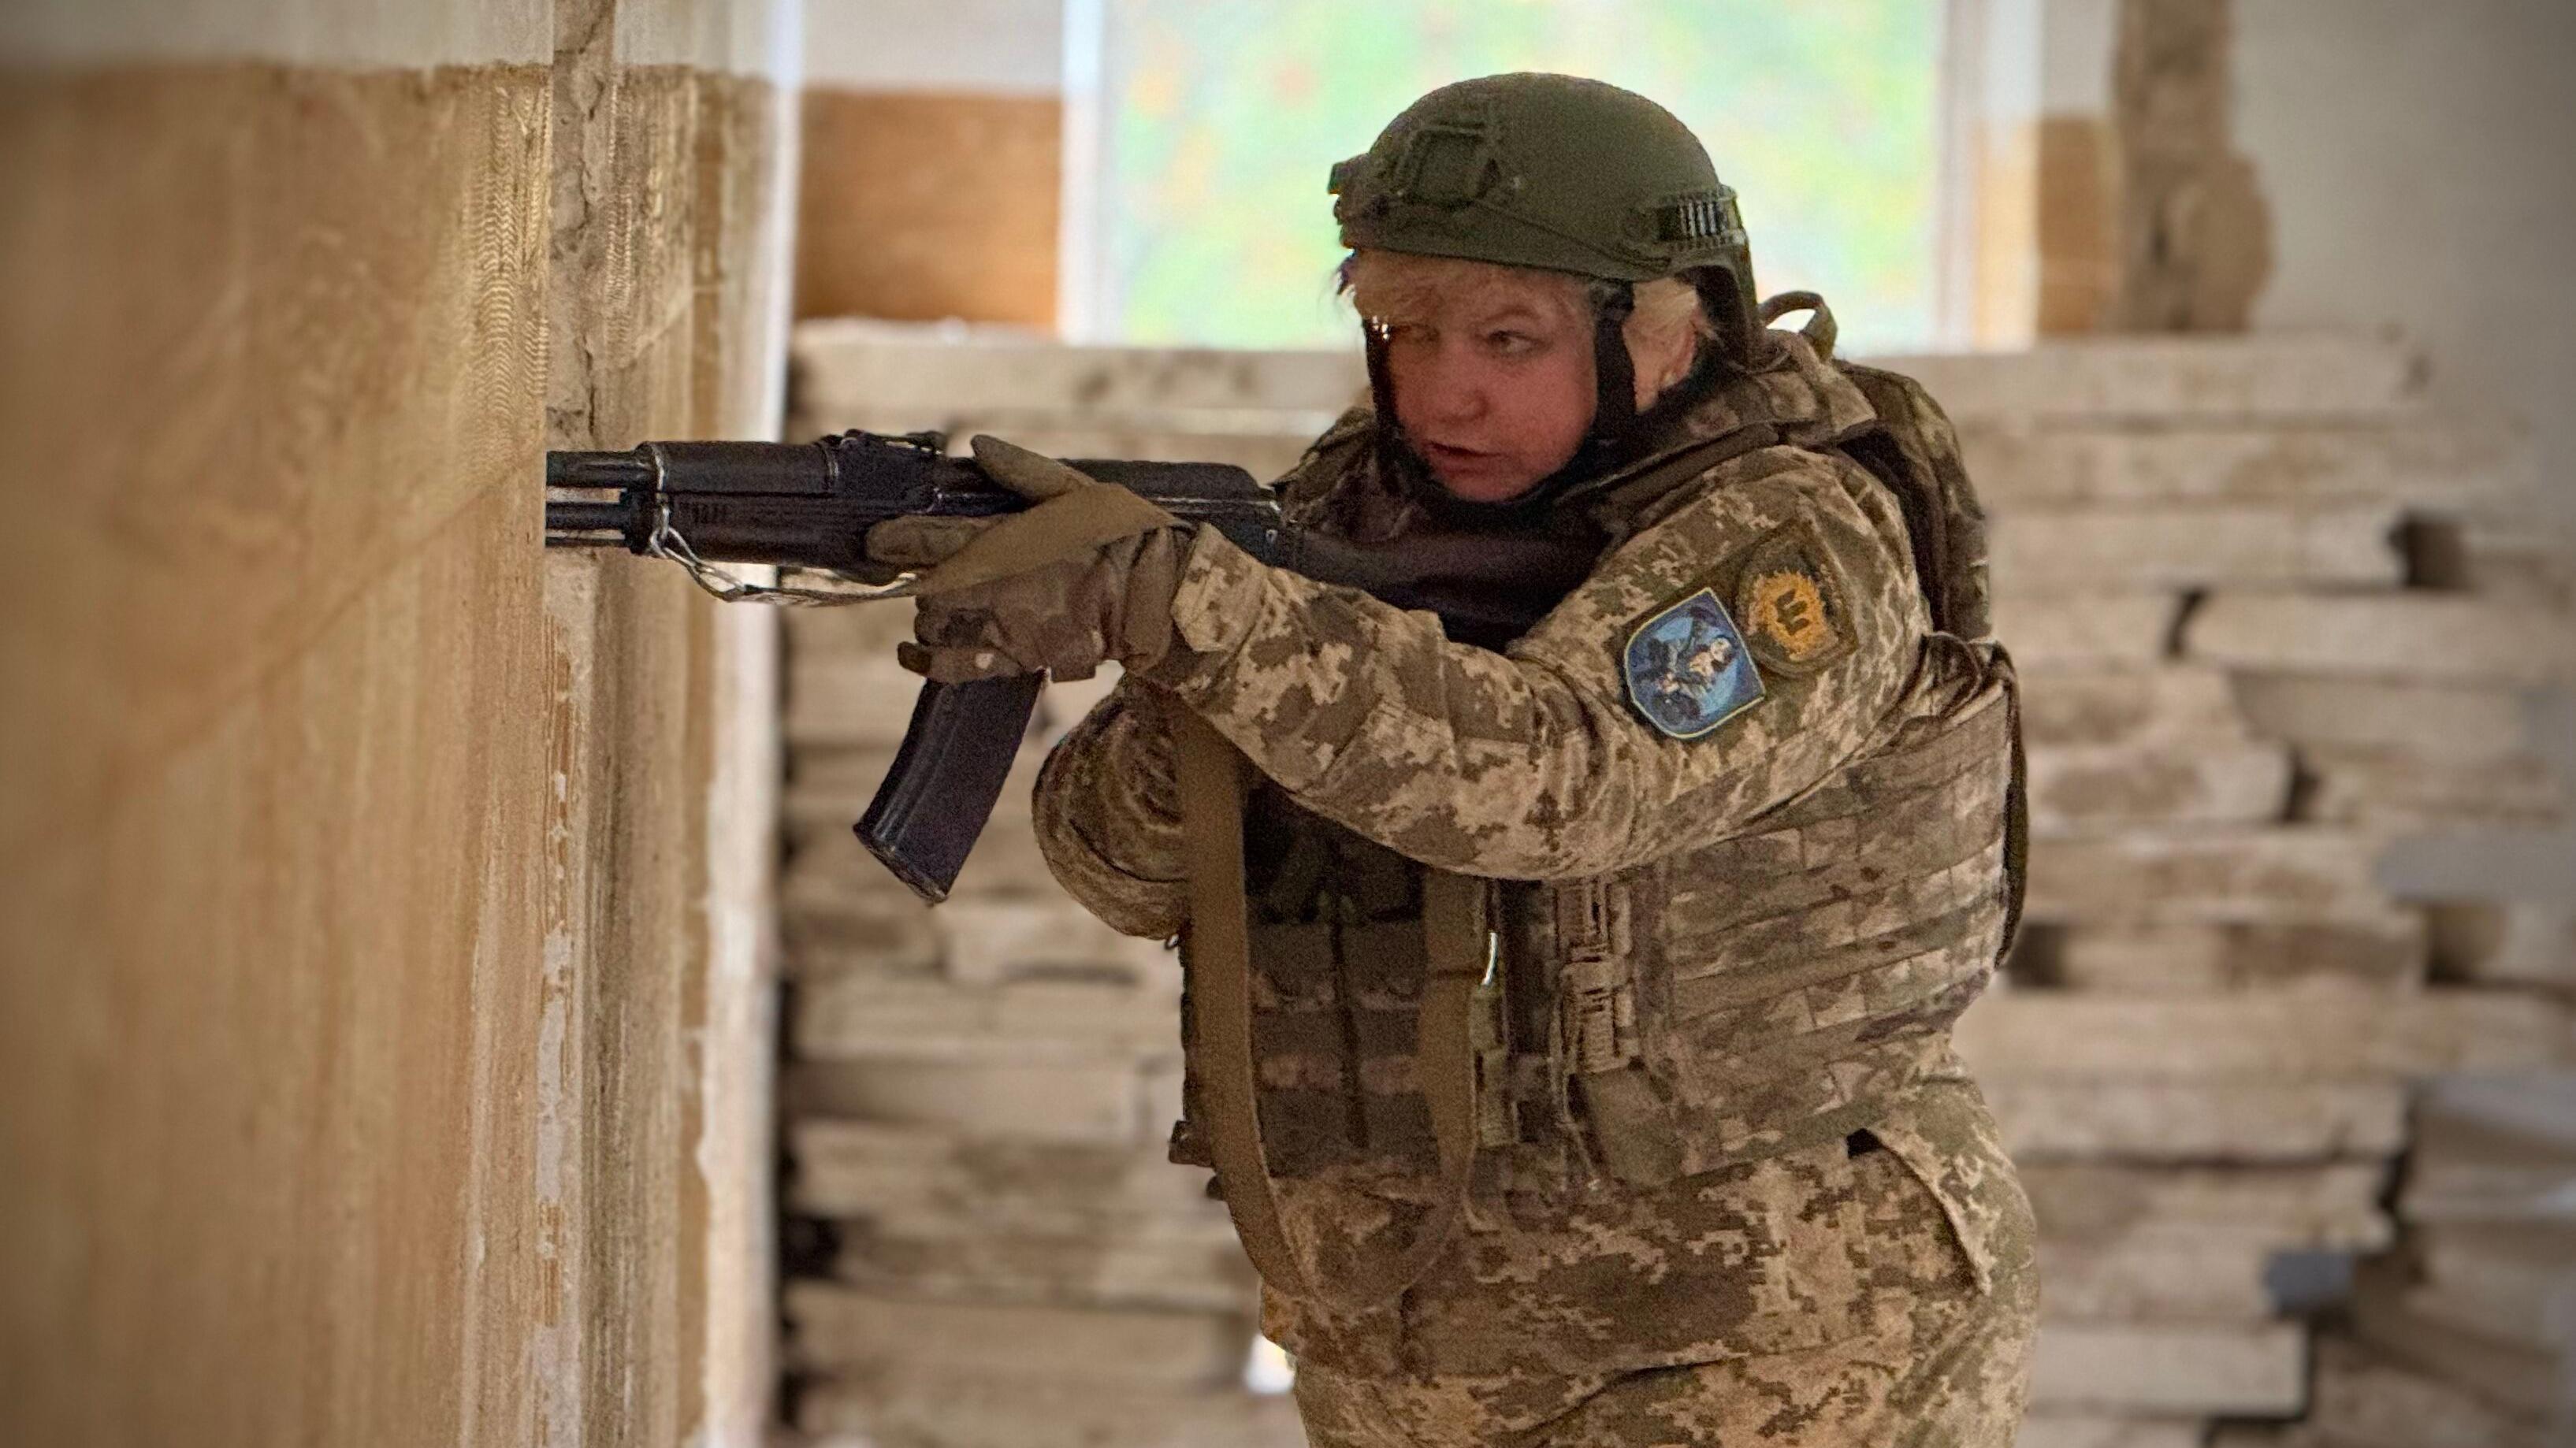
<point>1069,517</point>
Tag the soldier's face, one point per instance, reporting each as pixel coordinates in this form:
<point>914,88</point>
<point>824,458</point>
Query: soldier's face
<point>1494,387</point>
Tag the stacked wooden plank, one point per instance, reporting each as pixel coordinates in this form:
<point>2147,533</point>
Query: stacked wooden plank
<point>2269,624</point>
<point>2266,632</point>
<point>2466,1334</point>
<point>2483,1294</point>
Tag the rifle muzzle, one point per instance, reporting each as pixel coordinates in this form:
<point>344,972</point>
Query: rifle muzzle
<point>574,521</point>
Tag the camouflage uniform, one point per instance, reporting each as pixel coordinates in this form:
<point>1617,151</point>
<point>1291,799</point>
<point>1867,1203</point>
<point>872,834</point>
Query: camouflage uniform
<point>1833,1247</point>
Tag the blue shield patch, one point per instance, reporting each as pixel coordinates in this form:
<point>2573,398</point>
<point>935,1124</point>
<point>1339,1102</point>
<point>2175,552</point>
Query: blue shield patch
<point>1688,670</point>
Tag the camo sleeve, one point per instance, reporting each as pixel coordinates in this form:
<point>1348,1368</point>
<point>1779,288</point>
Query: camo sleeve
<point>1759,635</point>
<point>1108,816</point>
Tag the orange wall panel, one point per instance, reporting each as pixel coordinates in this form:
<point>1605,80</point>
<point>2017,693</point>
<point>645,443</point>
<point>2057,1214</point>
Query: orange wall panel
<point>2079,263</point>
<point>920,206</point>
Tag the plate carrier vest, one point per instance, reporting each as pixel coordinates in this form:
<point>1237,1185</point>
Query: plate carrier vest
<point>1356,1017</point>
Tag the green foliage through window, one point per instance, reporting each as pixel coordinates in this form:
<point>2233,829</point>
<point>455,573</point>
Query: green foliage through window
<point>1221,119</point>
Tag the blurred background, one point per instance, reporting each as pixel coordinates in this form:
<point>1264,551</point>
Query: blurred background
<point>443,1003</point>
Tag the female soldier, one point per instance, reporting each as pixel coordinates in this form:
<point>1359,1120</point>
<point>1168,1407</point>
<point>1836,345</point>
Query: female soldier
<point>1571,991</point>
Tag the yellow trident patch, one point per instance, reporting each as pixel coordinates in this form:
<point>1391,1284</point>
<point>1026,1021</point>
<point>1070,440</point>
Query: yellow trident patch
<point>1788,612</point>
<point>1791,603</point>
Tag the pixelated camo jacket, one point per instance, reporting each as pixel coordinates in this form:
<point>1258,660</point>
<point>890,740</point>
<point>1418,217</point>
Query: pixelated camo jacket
<point>1548,761</point>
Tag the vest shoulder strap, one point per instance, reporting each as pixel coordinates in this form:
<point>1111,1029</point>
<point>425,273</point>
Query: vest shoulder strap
<point>1913,451</point>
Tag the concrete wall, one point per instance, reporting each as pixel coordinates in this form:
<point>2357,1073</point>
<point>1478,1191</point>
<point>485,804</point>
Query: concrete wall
<point>380,1010</point>
<point>2416,162</point>
<point>931,162</point>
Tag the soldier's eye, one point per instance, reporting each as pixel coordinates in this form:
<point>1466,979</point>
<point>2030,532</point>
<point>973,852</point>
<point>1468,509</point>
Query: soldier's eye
<point>1511,344</point>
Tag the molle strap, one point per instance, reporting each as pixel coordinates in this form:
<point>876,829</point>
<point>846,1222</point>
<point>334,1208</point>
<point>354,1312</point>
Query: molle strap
<point>1457,927</point>
<point>1630,1128</point>
<point>1596,994</point>
<point>1498,1106</point>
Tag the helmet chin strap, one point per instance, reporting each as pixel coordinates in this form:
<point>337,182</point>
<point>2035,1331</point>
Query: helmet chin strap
<point>1615,376</point>
<point>1381,382</point>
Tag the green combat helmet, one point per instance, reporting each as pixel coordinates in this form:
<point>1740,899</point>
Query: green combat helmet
<point>1564,174</point>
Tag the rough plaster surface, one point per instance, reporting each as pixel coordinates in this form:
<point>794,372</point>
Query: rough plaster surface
<point>370,942</point>
<point>307,32</point>
<point>749,38</point>
<point>740,39</point>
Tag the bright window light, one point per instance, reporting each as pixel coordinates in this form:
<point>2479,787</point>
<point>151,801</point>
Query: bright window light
<point>1212,127</point>
<point>1268,1372</point>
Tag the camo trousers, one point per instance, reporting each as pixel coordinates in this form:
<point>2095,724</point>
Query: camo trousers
<point>1944,1364</point>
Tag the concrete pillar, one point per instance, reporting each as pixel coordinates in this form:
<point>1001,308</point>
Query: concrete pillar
<point>2195,233</point>
<point>382,1000</point>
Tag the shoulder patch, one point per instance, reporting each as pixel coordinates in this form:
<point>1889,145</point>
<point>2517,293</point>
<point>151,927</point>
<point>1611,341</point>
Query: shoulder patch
<point>1688,669</point>
<point>1791,604</point>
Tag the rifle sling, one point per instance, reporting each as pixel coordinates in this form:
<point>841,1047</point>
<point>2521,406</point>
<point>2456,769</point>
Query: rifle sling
<point>1212,776</point>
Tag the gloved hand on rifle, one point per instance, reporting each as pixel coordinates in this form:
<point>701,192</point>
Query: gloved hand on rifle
<point>1084,576</point>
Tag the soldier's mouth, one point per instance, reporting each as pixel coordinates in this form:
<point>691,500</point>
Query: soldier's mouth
<point>1441,452</point>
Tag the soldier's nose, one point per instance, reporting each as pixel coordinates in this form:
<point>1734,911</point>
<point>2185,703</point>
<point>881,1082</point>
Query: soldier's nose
<point>1455,395</point>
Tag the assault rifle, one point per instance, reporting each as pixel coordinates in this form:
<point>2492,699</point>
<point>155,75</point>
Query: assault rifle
<point>807,507</point>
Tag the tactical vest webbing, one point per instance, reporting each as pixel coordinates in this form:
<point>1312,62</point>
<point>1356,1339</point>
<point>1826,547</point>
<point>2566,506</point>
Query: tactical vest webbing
<point>1768,991</point>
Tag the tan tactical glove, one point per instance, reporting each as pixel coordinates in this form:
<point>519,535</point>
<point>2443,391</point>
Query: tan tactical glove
<point>1085,575</point>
